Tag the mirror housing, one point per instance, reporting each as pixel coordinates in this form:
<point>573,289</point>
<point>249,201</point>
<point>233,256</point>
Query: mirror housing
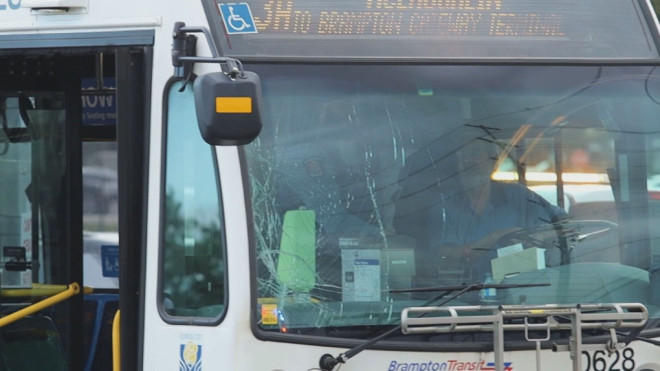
<point>228,109</point>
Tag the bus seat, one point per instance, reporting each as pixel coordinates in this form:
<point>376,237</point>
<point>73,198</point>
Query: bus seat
<point>100,310</point>
<point>31,344</point>
<point>296,264</point>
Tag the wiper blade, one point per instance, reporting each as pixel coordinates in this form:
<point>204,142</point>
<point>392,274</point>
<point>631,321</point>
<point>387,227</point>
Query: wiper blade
<point>328,361</point>
<point>474,286</point>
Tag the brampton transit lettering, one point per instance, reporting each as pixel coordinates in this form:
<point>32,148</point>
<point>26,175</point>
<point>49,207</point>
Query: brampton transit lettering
<point>449,365</point>
<point>409,17</point>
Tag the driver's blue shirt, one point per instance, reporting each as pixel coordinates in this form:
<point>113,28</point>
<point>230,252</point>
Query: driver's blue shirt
<point>454,220</point>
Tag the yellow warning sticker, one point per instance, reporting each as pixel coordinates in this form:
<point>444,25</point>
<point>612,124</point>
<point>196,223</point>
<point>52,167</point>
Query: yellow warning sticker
<point>269,314</point>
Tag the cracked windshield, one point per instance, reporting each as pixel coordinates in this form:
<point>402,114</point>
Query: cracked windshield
<point>375,188</point>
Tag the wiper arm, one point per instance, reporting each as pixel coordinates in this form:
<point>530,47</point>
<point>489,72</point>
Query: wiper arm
<point>634,334</point>
<point>328,362</point>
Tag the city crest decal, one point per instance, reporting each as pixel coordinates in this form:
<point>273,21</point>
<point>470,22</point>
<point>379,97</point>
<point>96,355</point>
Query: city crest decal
<point>190,357</point>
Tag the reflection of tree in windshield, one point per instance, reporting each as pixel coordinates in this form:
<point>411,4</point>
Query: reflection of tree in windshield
<point>193,265</point>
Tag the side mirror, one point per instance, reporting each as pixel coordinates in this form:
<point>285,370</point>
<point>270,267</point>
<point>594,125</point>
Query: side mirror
<point>228,110</point>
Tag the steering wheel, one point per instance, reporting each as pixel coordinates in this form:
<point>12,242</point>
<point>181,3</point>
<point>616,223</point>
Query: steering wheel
<point>568,233</point>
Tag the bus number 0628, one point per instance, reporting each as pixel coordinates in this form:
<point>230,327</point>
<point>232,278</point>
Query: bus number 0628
<point>623,360</point>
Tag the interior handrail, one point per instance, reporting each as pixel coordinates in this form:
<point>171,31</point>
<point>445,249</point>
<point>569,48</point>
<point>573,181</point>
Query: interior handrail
<point>116,356</point>
<point>39,289</point>
<point>72,289</point>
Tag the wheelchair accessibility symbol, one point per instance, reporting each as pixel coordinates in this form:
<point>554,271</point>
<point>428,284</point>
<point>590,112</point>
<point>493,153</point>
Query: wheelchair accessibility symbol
<point>237,18</point>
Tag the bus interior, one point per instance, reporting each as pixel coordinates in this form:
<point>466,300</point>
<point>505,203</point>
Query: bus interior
<point>60,160</point>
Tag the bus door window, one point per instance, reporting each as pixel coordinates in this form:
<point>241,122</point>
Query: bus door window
<point>100,210</point>
<point>99,177</point>
<point>34,168</point>
<point>193,270</point>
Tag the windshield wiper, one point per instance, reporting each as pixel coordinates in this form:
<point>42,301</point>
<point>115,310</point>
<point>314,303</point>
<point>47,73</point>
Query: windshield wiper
<point>448,289</point>
<point>328,361</point>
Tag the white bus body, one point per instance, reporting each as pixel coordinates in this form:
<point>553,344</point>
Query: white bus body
<point>351,214</point>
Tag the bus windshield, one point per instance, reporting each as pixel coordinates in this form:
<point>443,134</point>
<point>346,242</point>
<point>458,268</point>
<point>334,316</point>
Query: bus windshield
<point>369,180</point>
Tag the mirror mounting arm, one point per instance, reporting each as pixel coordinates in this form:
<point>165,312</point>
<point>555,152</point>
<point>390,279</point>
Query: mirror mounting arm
<point>184,52</point>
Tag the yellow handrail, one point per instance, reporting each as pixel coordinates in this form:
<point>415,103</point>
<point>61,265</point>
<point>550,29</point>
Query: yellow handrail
<point>116,366</point>
<point>39,289</point>
<point>73,289</point>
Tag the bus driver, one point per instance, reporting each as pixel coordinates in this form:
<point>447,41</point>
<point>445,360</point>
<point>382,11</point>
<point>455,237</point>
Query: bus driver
<point>470,220</point>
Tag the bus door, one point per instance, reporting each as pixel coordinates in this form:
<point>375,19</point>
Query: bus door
<point>59,204</point>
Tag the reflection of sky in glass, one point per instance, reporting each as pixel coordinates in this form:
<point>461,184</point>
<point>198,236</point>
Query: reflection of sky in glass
<point>188,161</point>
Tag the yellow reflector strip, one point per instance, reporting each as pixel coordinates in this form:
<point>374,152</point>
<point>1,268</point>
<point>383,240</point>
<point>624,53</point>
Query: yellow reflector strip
<point>233,104</point>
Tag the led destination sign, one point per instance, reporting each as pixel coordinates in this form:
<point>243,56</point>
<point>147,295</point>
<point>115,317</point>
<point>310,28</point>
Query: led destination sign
<point>409,17</point>
<point>436,28</point>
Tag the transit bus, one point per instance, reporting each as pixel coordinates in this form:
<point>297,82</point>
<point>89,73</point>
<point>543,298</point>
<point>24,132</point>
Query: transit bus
<point>312,185</point>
